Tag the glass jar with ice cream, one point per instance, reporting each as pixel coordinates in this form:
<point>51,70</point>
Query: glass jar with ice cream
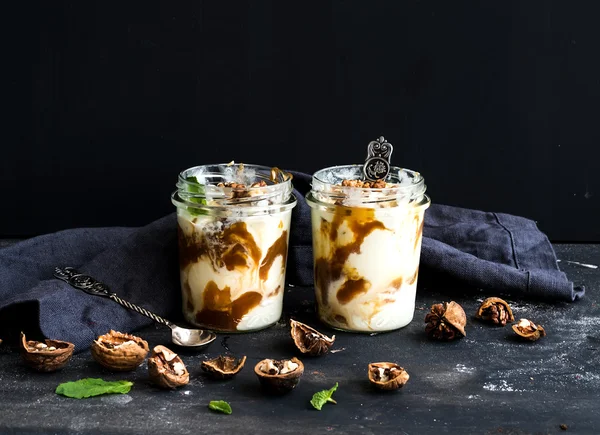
<point>233,226</point>
<point>367,224</point>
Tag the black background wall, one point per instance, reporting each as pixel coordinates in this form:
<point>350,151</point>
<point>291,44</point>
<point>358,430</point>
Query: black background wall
<point>496,103</point>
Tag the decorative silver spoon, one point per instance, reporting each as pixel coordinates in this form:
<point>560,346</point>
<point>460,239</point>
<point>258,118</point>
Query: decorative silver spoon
<point>179,335</point>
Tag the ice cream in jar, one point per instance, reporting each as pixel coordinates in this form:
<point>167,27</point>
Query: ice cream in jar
<point>233,226</point>
<point>367,225</point>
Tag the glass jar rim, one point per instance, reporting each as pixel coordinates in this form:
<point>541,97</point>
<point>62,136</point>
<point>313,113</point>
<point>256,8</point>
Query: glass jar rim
<point>405,186</point>
<point>225,171</point>
<point>207,187</point>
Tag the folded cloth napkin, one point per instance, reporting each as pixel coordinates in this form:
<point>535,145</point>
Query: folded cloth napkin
<point>493,251</point>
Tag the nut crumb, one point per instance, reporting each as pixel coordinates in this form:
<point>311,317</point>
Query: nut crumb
<point>241,186</point>
<point>379,184</point>
<point>564,426</point>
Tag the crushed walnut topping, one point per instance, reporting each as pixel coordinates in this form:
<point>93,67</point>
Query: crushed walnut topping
<point>379,184</point>
<point>239,190</point>
<point>234,185</point>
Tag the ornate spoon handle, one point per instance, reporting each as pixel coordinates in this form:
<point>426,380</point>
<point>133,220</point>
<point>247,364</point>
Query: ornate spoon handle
<point>377,165</point>
<point>93,287</point>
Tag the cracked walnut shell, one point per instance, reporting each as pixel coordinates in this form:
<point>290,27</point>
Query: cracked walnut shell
<point>387,375</point>
<point>308,340</point>
<point>528,330</point>
<point>166,369</point>
<point>46,356</point>
<point>223,366</point>
<point>446,321</point>
<point>495,310</point>
<point>279,376</point>
<point>118,351</point>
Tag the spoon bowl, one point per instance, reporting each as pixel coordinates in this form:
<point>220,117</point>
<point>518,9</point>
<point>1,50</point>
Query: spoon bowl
<point>191,337</point>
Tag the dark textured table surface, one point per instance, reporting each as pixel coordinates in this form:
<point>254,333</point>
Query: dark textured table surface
<point>487,382</point>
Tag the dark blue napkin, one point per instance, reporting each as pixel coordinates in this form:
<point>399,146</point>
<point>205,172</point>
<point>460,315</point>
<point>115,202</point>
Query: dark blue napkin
<point>497,252</point>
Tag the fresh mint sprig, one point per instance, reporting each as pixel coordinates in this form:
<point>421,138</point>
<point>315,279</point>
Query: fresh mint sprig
<point>220,406</point>
<point>322,397</point>
<point>196,188</point>
<point>89,387</point>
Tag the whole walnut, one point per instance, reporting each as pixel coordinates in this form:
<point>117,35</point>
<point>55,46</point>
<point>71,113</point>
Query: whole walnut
<point>446,321</point>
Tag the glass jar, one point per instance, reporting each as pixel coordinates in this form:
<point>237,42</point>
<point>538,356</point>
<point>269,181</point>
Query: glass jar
<point>366,247</point>
<point>233,229</point>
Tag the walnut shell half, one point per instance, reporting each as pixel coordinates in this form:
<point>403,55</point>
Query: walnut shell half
<point>166,369</point>
<point>528,330</point>
<point>46,356</point>
<point>119,352</point>
<point>495,310</point>
<point>279,376</point>
<point>387,375</point>
<point>223,366</point>
<point>308,340</point>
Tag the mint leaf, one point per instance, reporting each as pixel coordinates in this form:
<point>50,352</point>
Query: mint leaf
<point>220,405</point>
<point>89,387</point>
<point>199,189</point>
<point>322,397</point>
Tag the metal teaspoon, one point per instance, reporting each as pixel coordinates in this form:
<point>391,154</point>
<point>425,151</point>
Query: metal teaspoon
<point>179,335</point>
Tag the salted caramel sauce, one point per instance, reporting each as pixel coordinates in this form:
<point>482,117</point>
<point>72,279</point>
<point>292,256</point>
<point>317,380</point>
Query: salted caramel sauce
<point>233,248</point>
<point>190,248</point>
<point>351,289</point>
<point>340,319</point>
<point>236,257</point>
<point>278,248</point>
<point>220,312</point>
<point>188,295</point>
<point>413,277</point>
<point>239,239</point>
<point>419,231</point>
<point>274,292</point>
<point>361,223</point>
<point>397,283</point>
